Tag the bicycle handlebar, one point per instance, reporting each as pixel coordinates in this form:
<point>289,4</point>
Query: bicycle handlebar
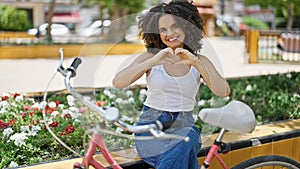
<point>111,114</point>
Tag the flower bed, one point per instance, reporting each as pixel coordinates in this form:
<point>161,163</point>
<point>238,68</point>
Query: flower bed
<point>25,139</point>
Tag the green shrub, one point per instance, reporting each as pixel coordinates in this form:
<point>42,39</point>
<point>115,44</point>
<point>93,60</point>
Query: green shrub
<point>254,23</point>
<point>272,97</point>
<point>12,19</point>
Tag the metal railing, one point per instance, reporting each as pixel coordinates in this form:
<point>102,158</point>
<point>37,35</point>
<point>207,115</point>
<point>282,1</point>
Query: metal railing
<point>274,46</point>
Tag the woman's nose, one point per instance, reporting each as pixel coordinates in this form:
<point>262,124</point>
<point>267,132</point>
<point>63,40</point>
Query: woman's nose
<point>170,32</point>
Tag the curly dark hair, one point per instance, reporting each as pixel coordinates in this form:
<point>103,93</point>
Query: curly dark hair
<point>185,14</point>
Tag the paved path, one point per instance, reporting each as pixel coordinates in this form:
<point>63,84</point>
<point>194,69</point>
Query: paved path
<point>33,75</point>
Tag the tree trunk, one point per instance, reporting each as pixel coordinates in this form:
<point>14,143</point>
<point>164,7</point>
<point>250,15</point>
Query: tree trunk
<point>290,19</point>
<point>119,24</point>
<point>101,15</point>
<point>48,38</point>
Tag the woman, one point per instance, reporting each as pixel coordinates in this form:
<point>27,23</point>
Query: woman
<point>173,66</point>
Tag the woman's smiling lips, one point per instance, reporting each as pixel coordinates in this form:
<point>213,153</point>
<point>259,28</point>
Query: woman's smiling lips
<point>172,39</point>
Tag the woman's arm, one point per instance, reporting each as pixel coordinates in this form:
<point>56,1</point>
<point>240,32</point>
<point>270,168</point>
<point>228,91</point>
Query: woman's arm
<point>211,76</point>
<point>217,84</point>
<point>133,71</point>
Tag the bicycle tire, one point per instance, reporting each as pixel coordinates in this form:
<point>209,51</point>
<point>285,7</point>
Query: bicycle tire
<point>268,161</point>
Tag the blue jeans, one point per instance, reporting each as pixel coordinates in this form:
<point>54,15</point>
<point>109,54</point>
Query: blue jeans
<point>170,153</point>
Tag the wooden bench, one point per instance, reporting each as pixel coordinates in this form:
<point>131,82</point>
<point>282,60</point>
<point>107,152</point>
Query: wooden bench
<point>277,138</point>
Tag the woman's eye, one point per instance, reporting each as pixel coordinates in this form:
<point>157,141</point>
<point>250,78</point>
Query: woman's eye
<point>162,31</point>
<point>176,26</point>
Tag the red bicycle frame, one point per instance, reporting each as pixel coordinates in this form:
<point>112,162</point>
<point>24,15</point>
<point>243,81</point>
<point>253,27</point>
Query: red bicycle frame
<point>214,150</point>
<point>97,142</point>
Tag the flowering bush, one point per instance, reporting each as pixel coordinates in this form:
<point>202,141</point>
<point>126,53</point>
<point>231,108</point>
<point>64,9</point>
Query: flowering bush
<point>24,138</point>
<point>272,97</point>
<point>23,133</point>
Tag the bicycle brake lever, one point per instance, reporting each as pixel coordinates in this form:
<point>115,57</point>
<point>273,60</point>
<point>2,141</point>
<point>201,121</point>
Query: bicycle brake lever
<point>60,67</point>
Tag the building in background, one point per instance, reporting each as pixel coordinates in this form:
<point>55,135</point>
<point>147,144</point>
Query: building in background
<point>66,11</point>
<point>207,10</point>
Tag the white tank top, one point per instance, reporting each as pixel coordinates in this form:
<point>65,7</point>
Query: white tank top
<point>169,93</point>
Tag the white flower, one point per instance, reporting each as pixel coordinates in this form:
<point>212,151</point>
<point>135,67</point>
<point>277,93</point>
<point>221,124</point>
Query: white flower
<point>19,98</point>
<point>24,129</point>
<point>289,75</point>
<point>31,133</point>
<point>7,132</point>
<point>106,92</point>
<point>3,104</point>
<point>129,93</point>
<point>13,164</point>
<point>49,121</point>
<point>213,102</point>
<point>52,104</point>
<point>19,138</point>
<point>74,112</point>
<point>131,100</point>
<point>42,105</point>
<point>119,100</point>
<point>201,102</point>
<point>34,130</point>
<point>142,94</point>
<point>119,130</point>
<point>73,109</point>
<point>226,98</point>
<point>141,98</point>
<point>109,94</point>
<point>65,112</point>
<point>195,116</point>
<point>54,113</point>
<point>249,87</point>
<point>143,91</point>
<point>14,104</point>
<point>71,100</point>
<point>36,105</point>
<point>61,106</point>
<point>125,102</point>
<point>31,100</point>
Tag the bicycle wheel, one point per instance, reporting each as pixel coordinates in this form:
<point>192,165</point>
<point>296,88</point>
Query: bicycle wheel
<point>268,162</point>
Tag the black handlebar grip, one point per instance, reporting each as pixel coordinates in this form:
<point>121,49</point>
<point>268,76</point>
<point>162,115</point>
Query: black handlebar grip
<point>76,62</point>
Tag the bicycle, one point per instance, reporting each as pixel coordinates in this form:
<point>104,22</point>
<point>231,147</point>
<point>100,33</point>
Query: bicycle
<point>242,114</point>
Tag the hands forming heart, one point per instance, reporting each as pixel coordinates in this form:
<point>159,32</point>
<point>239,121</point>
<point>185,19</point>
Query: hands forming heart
<point>178,56</point>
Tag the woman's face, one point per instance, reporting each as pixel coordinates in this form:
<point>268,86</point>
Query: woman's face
<point>170,32</point>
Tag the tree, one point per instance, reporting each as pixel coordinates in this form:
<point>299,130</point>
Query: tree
<point>285,8</point>
<point>119,11</point>
<point>48,38</point>
<point>12,19</point>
